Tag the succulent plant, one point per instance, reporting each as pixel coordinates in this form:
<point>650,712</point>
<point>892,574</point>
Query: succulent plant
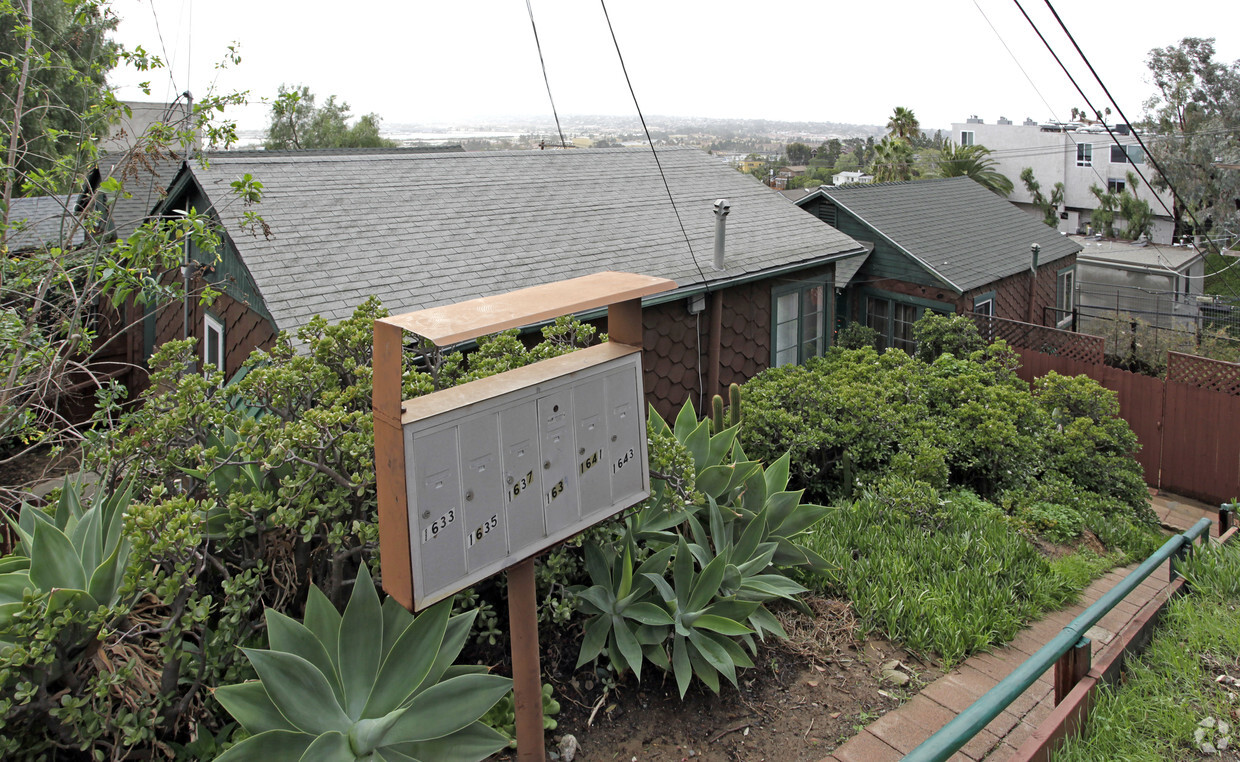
<point>375,683</point>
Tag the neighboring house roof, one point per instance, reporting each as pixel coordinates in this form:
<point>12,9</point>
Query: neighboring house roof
<point>955,228</point>
<point>796,194</point>
<point>1131,254</point>
<point>421,230</point>
<point>38,221</point>
<point>146,178</point>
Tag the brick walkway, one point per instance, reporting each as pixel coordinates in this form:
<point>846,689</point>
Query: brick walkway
<point>899,731</point>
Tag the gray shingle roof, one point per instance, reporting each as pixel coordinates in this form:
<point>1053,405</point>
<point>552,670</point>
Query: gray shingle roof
<point>38,221</point>
<point>420,230</point>
<point>146,180</point>
<point>954,226</point>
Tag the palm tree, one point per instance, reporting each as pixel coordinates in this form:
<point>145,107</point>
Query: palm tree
<point>903,124</point>
<point>973,162</point>
<point>893,160</point>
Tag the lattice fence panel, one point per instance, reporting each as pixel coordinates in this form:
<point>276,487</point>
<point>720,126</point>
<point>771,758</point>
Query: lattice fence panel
<point>1050,341</point>
<point>1204,373</point>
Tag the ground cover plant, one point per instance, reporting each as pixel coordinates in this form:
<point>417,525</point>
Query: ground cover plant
<point>1178,699</point>
<point>943,473</point>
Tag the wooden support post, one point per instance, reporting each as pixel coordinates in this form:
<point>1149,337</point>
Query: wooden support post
<point>624,322</point>
<point>526,670</point>
<point>394,551</point>
<point>1071,667</point>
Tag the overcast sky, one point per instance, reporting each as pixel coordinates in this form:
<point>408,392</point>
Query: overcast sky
<point>459,61</point>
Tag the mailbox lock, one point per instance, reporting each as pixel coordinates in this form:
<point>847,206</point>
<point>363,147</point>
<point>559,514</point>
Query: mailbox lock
<point>469,495</point>
<point>510,479</point>
<point>546,465</point>
<point>613,437</point>
<point>426,514</point>
<point>581,451</point>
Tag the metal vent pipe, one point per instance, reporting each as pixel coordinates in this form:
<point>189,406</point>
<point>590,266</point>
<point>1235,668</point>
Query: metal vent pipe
<point>722,207</point>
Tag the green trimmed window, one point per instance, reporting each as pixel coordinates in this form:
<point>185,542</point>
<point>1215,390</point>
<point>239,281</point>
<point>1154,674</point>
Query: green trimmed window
<point>893,316</point>
<point>799,322</point>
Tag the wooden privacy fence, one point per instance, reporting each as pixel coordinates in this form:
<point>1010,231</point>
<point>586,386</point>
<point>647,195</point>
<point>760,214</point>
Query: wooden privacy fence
<point>1188,425</point>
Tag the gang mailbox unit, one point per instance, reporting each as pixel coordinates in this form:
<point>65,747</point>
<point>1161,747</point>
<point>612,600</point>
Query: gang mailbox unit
<point>535,456</point>
<point>482,477</point>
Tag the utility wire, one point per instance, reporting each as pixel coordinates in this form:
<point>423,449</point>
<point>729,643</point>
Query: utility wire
<point>1120,111</point>
<point>649,140</point>
<point>543,64</point>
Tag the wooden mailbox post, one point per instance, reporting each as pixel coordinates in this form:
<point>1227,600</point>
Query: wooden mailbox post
<point>482,477</point>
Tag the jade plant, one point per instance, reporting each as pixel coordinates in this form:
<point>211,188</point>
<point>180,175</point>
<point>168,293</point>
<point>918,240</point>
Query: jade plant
<point>375,683</point>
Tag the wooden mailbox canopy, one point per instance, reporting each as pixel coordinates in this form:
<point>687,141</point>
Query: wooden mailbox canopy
<point>620,292</point>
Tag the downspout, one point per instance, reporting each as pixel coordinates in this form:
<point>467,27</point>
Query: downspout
<point>722,207</point>
<point>1033,280</point>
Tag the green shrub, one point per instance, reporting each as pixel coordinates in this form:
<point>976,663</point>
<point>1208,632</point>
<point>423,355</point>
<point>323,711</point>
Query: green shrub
<point>938,334</point>
<point>856,335</point>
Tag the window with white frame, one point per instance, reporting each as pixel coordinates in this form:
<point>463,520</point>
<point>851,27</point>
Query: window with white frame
<point>1115,185</point>
<point>984,304</point>
<point>966,137</point>
<point>800,322</point>
<point>1065,299</point>
<point>212,343</point>
<point>1084,154</point>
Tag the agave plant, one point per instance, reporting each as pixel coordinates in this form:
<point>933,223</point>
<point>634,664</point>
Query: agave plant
<point>375,683</point>
<point>76,555</point>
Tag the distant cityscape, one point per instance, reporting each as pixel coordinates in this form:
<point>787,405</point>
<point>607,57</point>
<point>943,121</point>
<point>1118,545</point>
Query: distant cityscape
<point>726,136</point>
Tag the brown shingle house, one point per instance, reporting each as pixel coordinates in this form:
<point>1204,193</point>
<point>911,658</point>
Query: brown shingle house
<point>946,245</point>
<point>421,230</point>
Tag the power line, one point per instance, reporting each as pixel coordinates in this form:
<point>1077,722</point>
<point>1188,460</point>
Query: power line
<point>543,64</point>
<point>649,140</point>
<point>1120,111</point>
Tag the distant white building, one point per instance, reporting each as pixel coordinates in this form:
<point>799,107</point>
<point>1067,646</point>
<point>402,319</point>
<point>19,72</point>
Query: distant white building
<point>1077,155</point>
<point>848,178</point>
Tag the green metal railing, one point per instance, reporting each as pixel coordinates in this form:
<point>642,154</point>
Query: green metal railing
<point>955,734</point>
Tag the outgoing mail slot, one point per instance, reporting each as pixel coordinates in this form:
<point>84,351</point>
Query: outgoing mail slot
<point>437,537</point>
<point>485,527</point>
<point>559,466</point>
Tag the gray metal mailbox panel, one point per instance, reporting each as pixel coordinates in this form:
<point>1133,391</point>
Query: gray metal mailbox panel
<point>625,434</point>
<point>438,535</point>
<point>522,502</point>
<point>482,484</point>
<point>590,406</point>
<point>559,463</point>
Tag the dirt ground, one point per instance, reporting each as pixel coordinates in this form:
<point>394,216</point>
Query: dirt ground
<point>802,699</point>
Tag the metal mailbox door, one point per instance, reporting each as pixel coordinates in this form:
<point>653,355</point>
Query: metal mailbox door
<point>518,427</point>
<point>559,466</point>
<point>626,438</point>
<point>590,406</point>
<point>438,536</point>
<point>482,485</point>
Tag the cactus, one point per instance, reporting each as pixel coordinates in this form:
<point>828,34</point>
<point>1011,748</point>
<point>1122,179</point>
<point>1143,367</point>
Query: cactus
<point>716,418</point>
<point>735,413</point>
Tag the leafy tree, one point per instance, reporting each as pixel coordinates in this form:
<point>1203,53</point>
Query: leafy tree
<point>893,160</point>
<point>57,289</point>
<point>903,124</point>
<point>54,61</point>
<point>973,162</point>
<point>828,153</point>
<point>1048,206</point>
<point>1135,212</point>
<point>847,163</point>
<point>797,153</point>
<point>296,122</point>
<point>1196,111</point>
